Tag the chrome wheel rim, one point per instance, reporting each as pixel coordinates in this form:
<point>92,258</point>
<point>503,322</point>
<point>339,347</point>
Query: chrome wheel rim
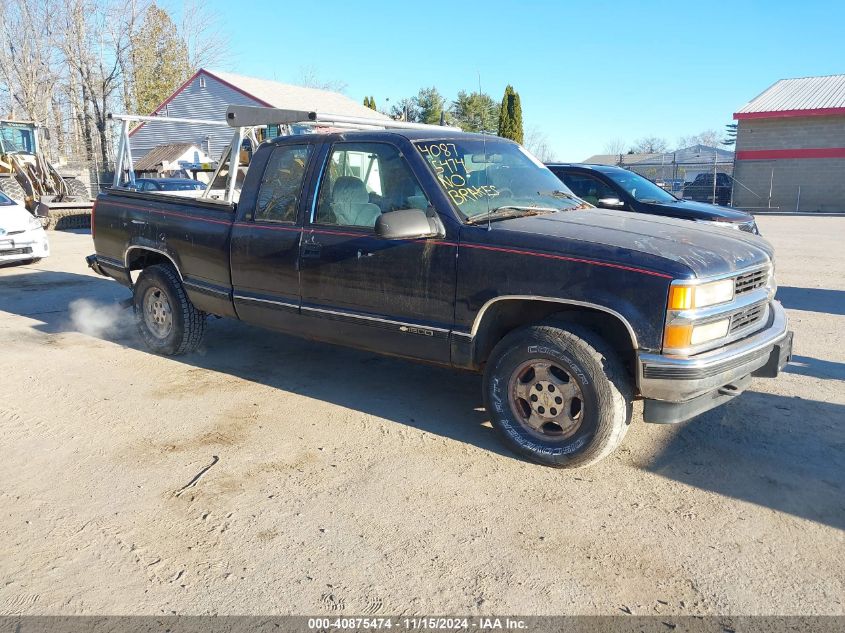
<point>546,400</point>
<point>158,316</point>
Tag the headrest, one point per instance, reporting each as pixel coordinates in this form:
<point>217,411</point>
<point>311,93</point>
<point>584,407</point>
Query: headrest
<point>349,190</point>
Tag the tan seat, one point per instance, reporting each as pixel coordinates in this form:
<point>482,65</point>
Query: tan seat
<point>350,203</point>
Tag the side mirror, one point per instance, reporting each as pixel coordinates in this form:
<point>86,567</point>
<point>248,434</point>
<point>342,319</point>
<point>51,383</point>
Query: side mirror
<point>611,203</point>
<point>409,224</point>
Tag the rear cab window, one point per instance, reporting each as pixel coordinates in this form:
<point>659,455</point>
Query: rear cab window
<point>281,184</point>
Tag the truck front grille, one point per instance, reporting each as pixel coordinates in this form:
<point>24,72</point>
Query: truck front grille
<point>747,317</point>
<point>751,281</point>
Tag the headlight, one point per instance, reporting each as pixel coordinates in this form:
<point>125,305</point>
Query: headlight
<point>690,296</point>
<point>688,335</point>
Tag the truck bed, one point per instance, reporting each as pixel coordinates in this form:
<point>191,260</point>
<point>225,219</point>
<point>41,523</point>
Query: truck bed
<point>192,234</point>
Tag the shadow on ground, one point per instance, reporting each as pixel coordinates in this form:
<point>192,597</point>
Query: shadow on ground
<point>785,453</point>
<point>812,299</point>
<point>434,399</point>
<point>815,368</point>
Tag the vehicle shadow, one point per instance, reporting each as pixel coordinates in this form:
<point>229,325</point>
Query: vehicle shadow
<point>815,368</point>
<point>784,453</point>
<point>812,299</point>
<point>434,399</point>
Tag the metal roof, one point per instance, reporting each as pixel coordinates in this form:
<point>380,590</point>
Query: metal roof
<point>804,96</point>
<point>279,95</point>
<point>613,159</point>
<point>693,155</point>
<point>163,154</point>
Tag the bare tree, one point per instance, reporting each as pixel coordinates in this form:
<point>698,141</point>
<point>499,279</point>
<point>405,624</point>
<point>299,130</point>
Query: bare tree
<point>95,40</point>
<point>207,43</point>
<point>650,145</point>
<point>28,60</point>
<point>709,138</point>
<point>615,146</point>
<point>309,77</point>
<point>538,144</point>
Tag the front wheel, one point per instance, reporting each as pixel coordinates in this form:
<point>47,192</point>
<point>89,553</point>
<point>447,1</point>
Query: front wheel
<point>167,320</point>
<point>558,396</point>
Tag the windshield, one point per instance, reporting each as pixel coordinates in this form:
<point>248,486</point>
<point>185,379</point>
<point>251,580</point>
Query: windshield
<point>17,138</point>
<point>641,189</point>
<point>5,200</point>
<point>480,176</point>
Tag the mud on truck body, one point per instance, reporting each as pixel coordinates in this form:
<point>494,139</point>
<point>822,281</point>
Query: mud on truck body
<point>462,250</point>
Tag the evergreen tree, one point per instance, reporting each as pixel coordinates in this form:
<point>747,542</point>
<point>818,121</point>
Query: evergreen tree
<point>159,60</point>
<point>730,134</point>
<point>429,103</point>
<point>510,116</point>
<point>475,112</point>
<point>406,110</point>
<point>373,103</point>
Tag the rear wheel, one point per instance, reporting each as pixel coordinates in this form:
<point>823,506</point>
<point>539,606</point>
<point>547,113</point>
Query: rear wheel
<point>167,320</point>
<point>13,189</point>
<point>558,396</point>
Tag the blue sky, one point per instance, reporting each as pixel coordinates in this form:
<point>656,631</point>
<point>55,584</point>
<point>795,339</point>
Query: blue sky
<point>587,72</point>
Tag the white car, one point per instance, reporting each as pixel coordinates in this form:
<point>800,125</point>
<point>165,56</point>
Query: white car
<point>22,237</point>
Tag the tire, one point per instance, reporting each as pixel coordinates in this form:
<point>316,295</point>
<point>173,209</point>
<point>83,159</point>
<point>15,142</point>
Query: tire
<point>77,189</point>
<point>167,320</point>
<point>580,394</point>
<point>13,189</point>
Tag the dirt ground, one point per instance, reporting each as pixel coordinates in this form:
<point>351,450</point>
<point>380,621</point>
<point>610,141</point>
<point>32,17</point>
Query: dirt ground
<point>345,483</point>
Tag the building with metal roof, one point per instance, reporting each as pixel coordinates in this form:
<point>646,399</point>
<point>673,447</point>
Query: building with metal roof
<point>207,94</point>
<point>170,160</point>
<point>790,147</point>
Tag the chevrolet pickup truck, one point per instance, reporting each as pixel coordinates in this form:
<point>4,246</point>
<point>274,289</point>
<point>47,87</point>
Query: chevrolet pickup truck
<point>462,250</point>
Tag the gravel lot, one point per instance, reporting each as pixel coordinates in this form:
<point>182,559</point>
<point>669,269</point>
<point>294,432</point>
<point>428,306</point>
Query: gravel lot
<point>345,483</point>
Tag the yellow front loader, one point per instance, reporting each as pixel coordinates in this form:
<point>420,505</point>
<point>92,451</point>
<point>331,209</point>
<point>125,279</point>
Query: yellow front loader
<point>26,176</point>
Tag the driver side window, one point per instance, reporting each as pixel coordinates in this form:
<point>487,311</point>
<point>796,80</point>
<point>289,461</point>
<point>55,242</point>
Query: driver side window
<point>362,181</point>
<point>589,188</point>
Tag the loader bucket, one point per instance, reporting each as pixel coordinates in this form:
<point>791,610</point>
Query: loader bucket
<point>68,214</point>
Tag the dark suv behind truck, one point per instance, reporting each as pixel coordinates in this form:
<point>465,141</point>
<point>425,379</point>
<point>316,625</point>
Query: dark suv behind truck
<point>702,190</point>
<point>611,187</point>
<point>461,250</point>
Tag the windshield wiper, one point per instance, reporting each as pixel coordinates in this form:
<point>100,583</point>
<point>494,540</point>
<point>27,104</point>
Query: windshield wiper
<point>557,193</point>
<point>508,211</point>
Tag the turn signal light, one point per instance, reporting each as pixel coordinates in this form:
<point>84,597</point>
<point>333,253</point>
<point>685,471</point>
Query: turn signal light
<point>689,335</point>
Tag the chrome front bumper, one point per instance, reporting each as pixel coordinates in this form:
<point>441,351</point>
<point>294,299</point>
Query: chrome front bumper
<point>678,380</point>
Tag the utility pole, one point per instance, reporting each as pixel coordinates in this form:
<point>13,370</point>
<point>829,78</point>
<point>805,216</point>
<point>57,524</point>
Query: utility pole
<point>715,156</point>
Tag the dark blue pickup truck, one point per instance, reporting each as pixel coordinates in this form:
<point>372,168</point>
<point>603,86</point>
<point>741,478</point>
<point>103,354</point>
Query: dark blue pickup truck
<point>462,250</point>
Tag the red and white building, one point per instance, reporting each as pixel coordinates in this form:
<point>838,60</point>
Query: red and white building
<point>790,147</point>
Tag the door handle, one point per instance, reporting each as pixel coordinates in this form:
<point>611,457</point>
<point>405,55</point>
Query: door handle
<point>364,254</point>
<point>311,250</point>
<point>137,222</point>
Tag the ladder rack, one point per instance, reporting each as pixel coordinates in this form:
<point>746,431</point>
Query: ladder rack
<point>247,116</point>
<point>244,120</point>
